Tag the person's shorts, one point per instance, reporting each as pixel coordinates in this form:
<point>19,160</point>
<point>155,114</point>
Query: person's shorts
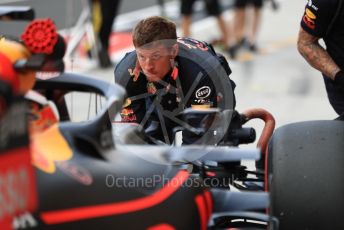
<point>213,7</point>
<point>335,95</point>
<point>244,3</point>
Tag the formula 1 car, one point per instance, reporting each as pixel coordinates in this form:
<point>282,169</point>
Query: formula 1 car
<point>85,180</point>
<point>101,173</point>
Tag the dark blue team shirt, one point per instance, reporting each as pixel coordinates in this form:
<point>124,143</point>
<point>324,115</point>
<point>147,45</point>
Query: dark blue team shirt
<point>203,78</point>
<point>316,21</point>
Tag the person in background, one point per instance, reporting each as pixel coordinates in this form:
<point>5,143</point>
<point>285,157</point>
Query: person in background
<point>104,13</point>
<point>214,9</point>
<point>246,25</point>
<point>325,19</point>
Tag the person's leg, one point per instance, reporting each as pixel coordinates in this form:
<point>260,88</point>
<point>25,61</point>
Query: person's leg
<point>237,28</point>
<point>185,25</point>
<point>214,9</point>
<point>240,20</point>
<point>96,15</point>
<point>255,24</point>
<point>109,10</point>
<point>186,12</point>
<point>223,28</point>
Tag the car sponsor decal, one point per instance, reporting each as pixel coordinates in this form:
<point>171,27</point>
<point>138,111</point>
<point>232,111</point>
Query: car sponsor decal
<point>117,208</point>
<point>17,185</point>
<point>17,178</point>
<point>41,117</point>
<point>75,171</point>
<point>49,147</point>
<point>203,92</point>
<point>25,221</point>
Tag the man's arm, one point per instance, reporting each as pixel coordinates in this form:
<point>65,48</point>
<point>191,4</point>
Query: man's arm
<point>309,47</point>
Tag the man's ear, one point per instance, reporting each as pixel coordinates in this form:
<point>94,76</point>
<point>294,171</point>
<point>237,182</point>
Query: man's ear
<point>174,50</point>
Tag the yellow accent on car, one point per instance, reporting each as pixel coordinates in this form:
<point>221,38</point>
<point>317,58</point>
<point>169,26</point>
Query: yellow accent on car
<point>49,147</point>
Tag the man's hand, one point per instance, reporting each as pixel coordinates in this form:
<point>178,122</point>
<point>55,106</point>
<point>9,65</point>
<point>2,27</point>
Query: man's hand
<point>339,79</point>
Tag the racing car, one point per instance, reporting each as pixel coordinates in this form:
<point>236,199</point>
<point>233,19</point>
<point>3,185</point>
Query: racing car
<point>83,178</point>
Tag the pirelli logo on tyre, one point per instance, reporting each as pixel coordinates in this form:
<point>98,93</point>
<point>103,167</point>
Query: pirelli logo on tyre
<point>203,92</point>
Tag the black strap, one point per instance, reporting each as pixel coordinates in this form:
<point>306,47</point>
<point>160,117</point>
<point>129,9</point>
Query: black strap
<point>329,28</point>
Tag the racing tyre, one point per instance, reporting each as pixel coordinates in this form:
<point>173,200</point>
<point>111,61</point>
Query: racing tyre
<point>306,175</point>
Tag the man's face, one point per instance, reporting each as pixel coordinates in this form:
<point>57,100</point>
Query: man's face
<point>155,60</point>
